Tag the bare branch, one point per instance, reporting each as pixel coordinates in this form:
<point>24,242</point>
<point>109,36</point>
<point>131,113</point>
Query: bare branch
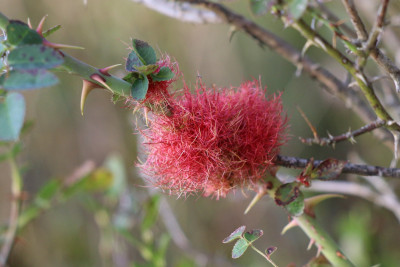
<point>359,169</point>
<point>331,140</point>
<point>182,11</point>
<point>327,79</point>
<point>377,55</point>
<point>358,75</point>
<point>288,52</point>
<point>356,20</point>
<point>387,64</point>
<point>377,28</point>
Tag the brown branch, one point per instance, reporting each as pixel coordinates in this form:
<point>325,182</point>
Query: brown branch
<point>288,52</point>
<point>356,20</point>
<point>381,59</point>
<point>357,74</point>
<point>377,29</point>
<point>359,169</point>
<point>387,64</point>
<point>332,140</point>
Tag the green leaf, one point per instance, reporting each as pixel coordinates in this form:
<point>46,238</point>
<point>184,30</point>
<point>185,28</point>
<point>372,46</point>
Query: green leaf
<point>328,169</point>
<point>164,74</point>
<point>139,88</point>
<point>239,248</point>
<point>131,77</point>
<point>305,176</point>
<point>48,191</point>
<point>34,57</point>
<point>145,52</point>
<point>235,234</point>
<point>133,61</point>
<point>253,235</point>
<point>99,180</point>
<point>3,48</point>
<point>41,202</point>
<point>147,69</point>
<point>12,114</point>
<point>19,33</point>
<point>115,164</point>
<point>290,197</point>
<point>15,150</point>
<point>51,30</point>
<point>296,8</point>
<point>151,212</point>
<point>27,79</point>
<point>296,208</point>
<point>160,255</point>
<point>115,98</point>
<point>259,7</point>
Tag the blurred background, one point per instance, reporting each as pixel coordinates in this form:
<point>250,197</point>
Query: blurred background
<point>61,140</point>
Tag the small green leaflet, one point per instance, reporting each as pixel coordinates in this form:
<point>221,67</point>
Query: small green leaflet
<point>259,7</point>
<point>51,30</point>
<point>133,61</point>
<point>34,57</point>
<point>139,88</point>
<point>164,74</point>
<point>19,33</point>
<point>239,248</point>
<point>291,198</point>
<point>253,235</point>
<point>147,69</point>
<point>296,8</point>
<point>146,53</point>
<point>12,114</point>
<point>235,234</point>
<point>329,169</point>
<point>27,79</point>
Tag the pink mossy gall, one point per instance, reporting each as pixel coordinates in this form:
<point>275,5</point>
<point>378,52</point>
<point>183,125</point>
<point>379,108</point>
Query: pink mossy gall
<point>215,140</point>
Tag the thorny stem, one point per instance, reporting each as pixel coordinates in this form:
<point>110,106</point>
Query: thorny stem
<point>332,140</point>
<point>359,169</point>
<point>323,240</point>
<point>377,28</point>
<point>288,52</point>
<point>16,185</point>
<point>325,244</point>
<point>376,54</point>
<point>356,20</point>
<point>332,17</point>
<point>75,66</point>
<point>360,78</point>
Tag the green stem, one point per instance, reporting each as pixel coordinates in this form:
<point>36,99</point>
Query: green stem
<point>323,240</point>
<point>75,66</point>
<point>361,80</point>
<point>16,185</point>
<point>315,232</point>
<point>263,254</point>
